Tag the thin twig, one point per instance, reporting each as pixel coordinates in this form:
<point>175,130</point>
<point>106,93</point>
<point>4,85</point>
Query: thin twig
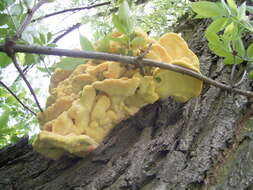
<point>15,62</point>
<point>71,10</point>
<point>14,95</point>
<point>66,32</point>
<point>139,59</point>
<point>242,79</point>
<point>123,59</point>
<point>45,66</point>
<point>25,70</point>
<point>28,19</point>
<point>9,50</point>
<point>232,75</point>
<point>145,51</point>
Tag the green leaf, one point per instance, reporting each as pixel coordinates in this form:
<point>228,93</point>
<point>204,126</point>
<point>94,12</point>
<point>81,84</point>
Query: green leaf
<point>242,11</point>
<point>44,70</point>
<point>4,60</point>
<point>207,9</point>
<point>230,32</point>
<point>5,130</point>
<point>122,40</point>
<point>232,60</point>
<point>14,138</point>
<point>249,51</point>
<point>239,47</point>
<point>69,63</point>
<point>138,41</point>
<point>125,17</point>
<point>219,49</point>
<point>116,22</point>
<point>52,45</point>
<point>4,118</point>
<point>212,38</point>
<point>31,59</point>
<point>215,27</point>
<point>49,36</point>
<point>249,9</point>
<point>4,19</point>
<point>5,3</point>
<point>246,24</point>
<point>29,3</point>
<point>42,38</point>
<point>232,5</point>
<point>250,74</point>
<point>198,17</point>
<point>225,7</point>
<point>104,44</point>
<point>16,9</point>
<point>124,11</point>
<point>85,43</point>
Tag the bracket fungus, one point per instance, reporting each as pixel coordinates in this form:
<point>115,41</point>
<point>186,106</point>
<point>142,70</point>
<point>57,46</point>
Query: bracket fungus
<point>86,103</point>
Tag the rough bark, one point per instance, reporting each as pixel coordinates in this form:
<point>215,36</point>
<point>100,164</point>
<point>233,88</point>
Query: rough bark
<point>203,144</point>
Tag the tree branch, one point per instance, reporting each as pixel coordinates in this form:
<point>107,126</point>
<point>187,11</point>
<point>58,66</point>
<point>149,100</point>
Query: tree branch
<point>25,70</point>
<point>15,62</point>
<point>14,95</point>
<point>123,59</point>
<point>28,19</point>
<point>66,32</point>
<point>45,66</point>
<point>71,10</point>
<point>242,79</point>
<point>11,42</point>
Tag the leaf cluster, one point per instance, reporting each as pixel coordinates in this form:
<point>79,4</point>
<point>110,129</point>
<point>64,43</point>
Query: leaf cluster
<point>230,24</point>
<point>15,122</point>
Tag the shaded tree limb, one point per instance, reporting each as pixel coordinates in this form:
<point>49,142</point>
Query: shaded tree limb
<point>11,42</point>
<point>72,10</point>
<point>29,67</point>
<point>28,19</point>
<point>45,66</point>
<point>14,95</point>
<point>66,32</point>
<point>15,62</point>
<point>123,59</point>
<point>25,70</point>
<point>9,50</point>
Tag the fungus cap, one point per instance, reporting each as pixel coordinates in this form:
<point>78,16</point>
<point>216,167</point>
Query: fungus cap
<point>86,103</point>
<point>178,49</point>
<point>182,87</point>
<point>55,146</point>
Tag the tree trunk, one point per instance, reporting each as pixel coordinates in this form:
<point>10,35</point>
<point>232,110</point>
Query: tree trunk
<point>203,144</point>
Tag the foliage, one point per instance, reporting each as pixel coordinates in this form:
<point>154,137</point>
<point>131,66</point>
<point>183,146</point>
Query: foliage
<point>158,17</point>
<point>15,121</point>
<point>65,63</point>
<point>230,25</point>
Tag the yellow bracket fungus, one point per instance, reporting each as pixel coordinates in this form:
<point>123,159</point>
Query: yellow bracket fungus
<point>86,103</point>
